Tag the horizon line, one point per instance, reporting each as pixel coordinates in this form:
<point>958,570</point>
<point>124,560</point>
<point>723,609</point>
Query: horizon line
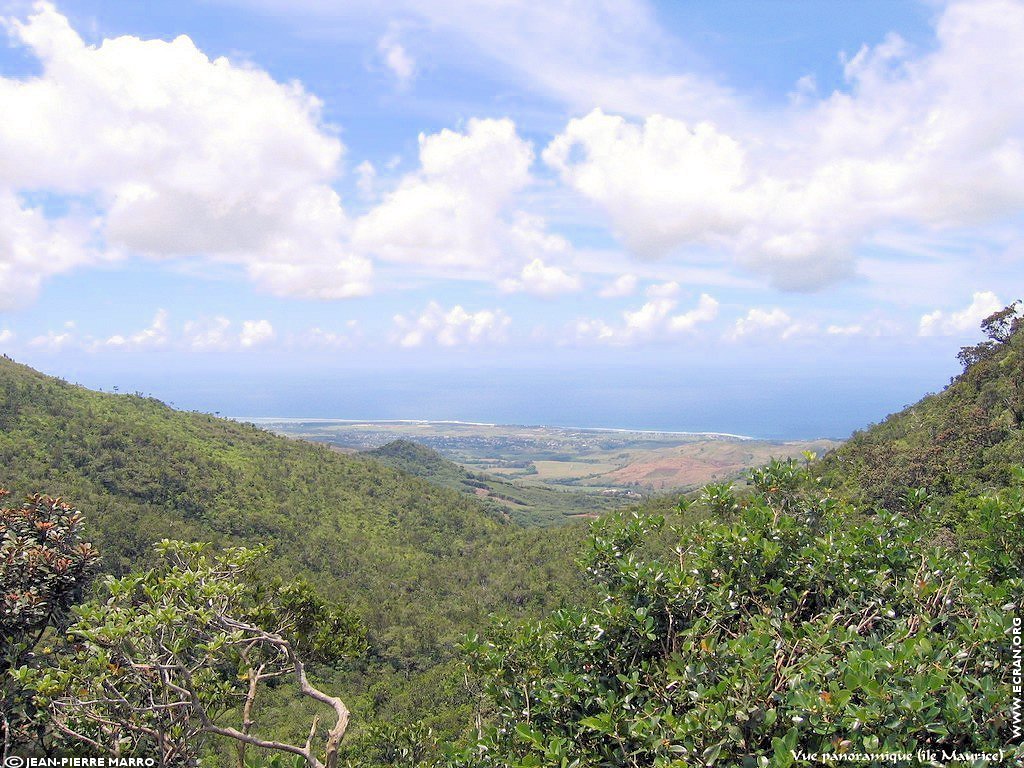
<point>705,433</point>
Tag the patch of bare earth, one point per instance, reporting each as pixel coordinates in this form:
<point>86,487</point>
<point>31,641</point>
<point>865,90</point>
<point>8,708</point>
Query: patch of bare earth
<point>671,473</point>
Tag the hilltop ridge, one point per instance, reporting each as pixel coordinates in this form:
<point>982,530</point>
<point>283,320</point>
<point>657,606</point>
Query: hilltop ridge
<point>419,564</point>
<point>957,443</point>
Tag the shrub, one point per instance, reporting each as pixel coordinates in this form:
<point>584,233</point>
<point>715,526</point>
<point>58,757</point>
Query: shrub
<point>794,625</point>
<point>44,569</point>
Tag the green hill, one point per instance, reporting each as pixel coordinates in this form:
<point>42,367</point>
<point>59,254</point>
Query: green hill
<point>417,460</point>
<point>520,503</point>
<point>421,565</point>
<point>957,443</point>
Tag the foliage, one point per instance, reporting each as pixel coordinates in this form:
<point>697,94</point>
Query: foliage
<point>44,568</point>
<point>791,617</point>
<point>165,658</point>
<point>418,565</point>
<point>996,522</point>
<point>957,444</point>
<point>999,328</point>
<point>319,631</point>
<point>790,626</point>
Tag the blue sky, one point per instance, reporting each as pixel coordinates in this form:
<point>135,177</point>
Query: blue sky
<point>773,192</point>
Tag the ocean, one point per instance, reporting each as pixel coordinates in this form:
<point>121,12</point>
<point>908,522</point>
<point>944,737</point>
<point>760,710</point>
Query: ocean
<point>754,401</point>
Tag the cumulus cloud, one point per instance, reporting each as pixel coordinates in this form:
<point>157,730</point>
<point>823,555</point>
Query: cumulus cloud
<point>661,182</point>
<point>656,319</point>
<point>458,211</point>
<point>623,285</point>
<point>448,212</point>
<point>33,248</point>
<point>705,311</point>
<point>54,341</point>
<point>927,140</point>
<point>541,279</point>
<point>453,327</point>
<point>768,323</point>
<point>939,323</point>
<point>209,334</point>
<point>185,156</point>
<point>215,333</point>
<point>255,332</point>
<point>156,335</point>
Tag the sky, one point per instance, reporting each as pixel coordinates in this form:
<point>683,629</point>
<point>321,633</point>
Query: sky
<point>776,218</point>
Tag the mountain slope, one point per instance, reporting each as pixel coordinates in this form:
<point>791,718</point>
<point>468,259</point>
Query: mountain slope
<point>956,443</point>
<point>421,565</point>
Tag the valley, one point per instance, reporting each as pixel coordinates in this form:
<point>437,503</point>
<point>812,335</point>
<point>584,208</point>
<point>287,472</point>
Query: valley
<point>595,468</point>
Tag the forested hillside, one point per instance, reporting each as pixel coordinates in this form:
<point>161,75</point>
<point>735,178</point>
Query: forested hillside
<point>812,610</point>
<point>419,565</point>
<point>956,443</point>
<point>803,621</point>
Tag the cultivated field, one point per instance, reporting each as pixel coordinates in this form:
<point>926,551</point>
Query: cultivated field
<point>595,460</point>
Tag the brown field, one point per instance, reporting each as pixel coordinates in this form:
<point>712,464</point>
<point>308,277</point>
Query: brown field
<point>560,458</point>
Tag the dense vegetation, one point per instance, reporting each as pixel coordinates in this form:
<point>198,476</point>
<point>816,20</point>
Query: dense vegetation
<point>419,565</point>
<point>149,669</point>
<point>814,612</point>
<point>958,443</point>
<point>788,622</point>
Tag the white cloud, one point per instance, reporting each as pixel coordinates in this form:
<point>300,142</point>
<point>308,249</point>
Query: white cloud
<point>216,334</point>
<point>454,327</point>
<point>873,325</point>
<point>317,337</point>
<point>343,278</point>
<point>662,183</point>
<point>663,290</point>
<point>623,285</point>
<point>652,321</point>
<point>6,336</point>
<point>54,341</point>
<point>156,335</point>
<point>448,211</point>
<point>397,59</point>
<point>939,323</point>
<point>764,323</point>
<point>705,311</point>
<point>185,156</point>
<point>457,215</point>
<point>853,329</point>
<point>205,334</point>
<point>591,329</point>
<point>33,248</point>
<point>209,334</point>
<point>255,332</point>
<point>536,277</point>
<point>214,159</point>
<point>927,140</point>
